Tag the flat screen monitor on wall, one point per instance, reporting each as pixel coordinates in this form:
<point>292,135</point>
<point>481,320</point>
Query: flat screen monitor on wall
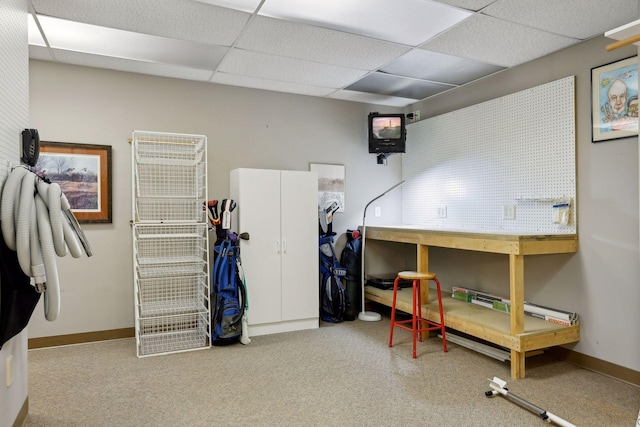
<point>387,133</point>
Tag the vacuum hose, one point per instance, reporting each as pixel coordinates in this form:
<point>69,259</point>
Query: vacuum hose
<point>37,223</point>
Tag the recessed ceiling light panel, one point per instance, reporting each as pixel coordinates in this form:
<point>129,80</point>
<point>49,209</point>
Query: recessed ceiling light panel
<point>408,22</point>
<point>79,37</point>
<point>35,37</point>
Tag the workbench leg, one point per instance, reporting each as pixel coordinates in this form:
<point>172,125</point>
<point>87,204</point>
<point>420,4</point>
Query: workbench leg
<point>422,263</point>
<point>517,364</point>
<point>516,297</point>
<point>423,267</point>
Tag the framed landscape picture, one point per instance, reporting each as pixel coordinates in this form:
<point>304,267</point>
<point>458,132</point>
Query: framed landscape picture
<point>83,172</point>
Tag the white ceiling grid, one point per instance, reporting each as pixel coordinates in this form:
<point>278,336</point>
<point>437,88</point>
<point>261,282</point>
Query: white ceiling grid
<point>383,52</point>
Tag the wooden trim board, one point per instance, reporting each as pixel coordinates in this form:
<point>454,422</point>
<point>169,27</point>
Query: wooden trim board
<point>21,418</point>
<point>596,365</point>
<point>80,338</point>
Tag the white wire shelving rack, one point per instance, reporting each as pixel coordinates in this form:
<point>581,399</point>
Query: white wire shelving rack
<point>170,244</point>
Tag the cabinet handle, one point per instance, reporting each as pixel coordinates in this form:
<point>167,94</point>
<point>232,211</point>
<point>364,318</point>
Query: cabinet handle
<point>277,246</point>
<point>284,246</point>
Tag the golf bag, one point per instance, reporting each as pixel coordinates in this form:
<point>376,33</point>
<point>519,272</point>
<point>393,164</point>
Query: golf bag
<point>228,294</point>
<point>333,298</point>
<point>351,260</point>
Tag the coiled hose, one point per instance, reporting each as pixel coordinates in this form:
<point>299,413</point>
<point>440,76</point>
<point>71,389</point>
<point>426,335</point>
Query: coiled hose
<point>38,224</point>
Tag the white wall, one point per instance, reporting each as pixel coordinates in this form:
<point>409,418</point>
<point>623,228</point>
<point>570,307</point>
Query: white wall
<point>14,117</point>
<point>517,150</point>
<point>601,281</point>
<point>245,128</point>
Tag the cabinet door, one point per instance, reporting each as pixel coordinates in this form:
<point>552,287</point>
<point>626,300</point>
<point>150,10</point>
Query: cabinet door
<point>299,223</point>
<point>257,192</point>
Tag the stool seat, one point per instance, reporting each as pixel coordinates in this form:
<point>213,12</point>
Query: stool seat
<point>417,324</point>
<point>413,275</point>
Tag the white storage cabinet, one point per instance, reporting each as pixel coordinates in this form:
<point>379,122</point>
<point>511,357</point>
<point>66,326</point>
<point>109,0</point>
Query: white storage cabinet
<point>279,210</point>
<point>170,244</point>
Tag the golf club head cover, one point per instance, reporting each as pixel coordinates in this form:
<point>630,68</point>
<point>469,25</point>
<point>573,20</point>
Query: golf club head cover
<point>227,207</point>
<point>213,212</point>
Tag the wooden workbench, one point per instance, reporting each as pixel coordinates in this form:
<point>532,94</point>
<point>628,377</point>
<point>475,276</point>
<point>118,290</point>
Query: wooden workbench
<point>515,332</point>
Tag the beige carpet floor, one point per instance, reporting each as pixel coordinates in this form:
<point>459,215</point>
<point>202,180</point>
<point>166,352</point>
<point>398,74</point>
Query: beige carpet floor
<point>338,375</point>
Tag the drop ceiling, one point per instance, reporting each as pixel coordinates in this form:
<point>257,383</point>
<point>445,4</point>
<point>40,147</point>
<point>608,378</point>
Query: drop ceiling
<point>386,52</point>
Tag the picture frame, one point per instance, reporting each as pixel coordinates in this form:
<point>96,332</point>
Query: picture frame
<point>83,172</point>
<point>331,184</point>
<point>614,100</point>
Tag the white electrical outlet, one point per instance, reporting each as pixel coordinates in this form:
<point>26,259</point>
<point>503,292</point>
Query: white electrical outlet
<point>9,370</point>
<point>508,212</point>
<point>377,212</point>
<point>442,212</point>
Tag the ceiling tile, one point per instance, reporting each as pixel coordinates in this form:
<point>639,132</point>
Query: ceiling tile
<point>248,6</point>
<point>474,5</point>
<point>295,40</point>
<point>110,63</point>
<point>183,20</point>
<point>79,37</point>
<point>271,67</point>
<point>387,84</point>
<point>409,22</point>
<point>278,86</point>
<point>497,42</point>
<point>580,19</point>
<point>438,67</point>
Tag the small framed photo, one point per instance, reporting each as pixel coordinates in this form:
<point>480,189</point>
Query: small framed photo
<point>83,172</point>
<point>331,184</point>
<point>614,103</point>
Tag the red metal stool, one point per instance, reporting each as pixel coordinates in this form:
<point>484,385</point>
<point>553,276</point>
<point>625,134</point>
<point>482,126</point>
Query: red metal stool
<point>417,321</point>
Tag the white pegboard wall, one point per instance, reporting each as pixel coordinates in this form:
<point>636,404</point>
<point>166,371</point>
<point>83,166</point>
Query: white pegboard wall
<point>14,84</point>
<point>517,151</point>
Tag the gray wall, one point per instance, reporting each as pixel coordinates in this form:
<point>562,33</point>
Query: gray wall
<point>245,128</point>
<point>601,281</point>
<point>249,128</point>
<point>14,117</point>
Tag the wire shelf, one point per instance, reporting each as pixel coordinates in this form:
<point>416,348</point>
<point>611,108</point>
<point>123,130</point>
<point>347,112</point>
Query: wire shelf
<point>172,295</point>
<point>186,150</point>
<point>159,210</point>
<point>166,334</point>
<point>164,231</point>
<point>170,180</point>
<point>164,268</point>
<point>171,244</point>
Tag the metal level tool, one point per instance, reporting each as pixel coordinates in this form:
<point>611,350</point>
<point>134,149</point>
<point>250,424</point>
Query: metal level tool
<point>498,387</point>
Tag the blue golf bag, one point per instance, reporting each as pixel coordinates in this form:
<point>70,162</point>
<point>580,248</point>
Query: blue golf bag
<point>333,299</point>
<point>228,294</point>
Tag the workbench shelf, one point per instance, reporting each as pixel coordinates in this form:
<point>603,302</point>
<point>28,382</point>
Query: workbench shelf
<point>481,322</point>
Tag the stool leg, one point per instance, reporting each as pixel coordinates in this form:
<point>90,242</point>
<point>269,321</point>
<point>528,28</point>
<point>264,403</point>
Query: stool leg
<point>420,323</point>
<point>393,310</point>
<point>442,328</point>
<point>414,319</point>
